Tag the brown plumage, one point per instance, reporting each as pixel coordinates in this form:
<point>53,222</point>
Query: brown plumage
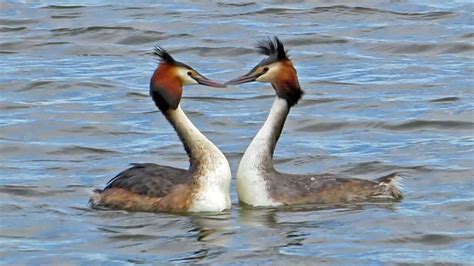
<point>330,189</point>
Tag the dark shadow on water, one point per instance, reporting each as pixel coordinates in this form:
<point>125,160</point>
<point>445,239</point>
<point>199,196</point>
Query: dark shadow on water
<point>196,256</point>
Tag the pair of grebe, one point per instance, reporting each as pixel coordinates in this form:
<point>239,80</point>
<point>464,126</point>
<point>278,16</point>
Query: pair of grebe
<point>205,186</point>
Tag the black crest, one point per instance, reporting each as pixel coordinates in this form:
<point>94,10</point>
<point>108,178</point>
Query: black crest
<point>163,55</point>
<point>273,48</point>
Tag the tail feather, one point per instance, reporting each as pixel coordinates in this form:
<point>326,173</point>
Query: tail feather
<point>392,184</point>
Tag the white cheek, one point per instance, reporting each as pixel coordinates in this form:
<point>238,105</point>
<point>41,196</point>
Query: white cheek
<point>187,80</point>
<point>270,76</point>
<point>263,78</point>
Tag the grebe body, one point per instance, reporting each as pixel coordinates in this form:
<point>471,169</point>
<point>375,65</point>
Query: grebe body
<point>204,187</point>
<point>259,183</point>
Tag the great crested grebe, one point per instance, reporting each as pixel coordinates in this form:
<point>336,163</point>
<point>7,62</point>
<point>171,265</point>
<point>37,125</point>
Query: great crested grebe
<point>205,186</point>
<point>259,184</point>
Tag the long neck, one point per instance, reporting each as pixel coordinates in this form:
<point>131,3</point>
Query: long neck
<point>200,150</point>
<point>260,151</point>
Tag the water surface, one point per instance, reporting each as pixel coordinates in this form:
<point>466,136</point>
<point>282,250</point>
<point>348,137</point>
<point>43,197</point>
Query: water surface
<point>388,88</point>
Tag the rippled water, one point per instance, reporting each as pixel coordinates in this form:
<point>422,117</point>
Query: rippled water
<point>388,88</point>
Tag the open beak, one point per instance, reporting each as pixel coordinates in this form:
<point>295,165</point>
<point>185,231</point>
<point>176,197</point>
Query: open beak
<point>208,82</point>
<point>249,77</point>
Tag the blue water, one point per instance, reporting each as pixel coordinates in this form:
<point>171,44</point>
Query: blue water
<point>388,88</point>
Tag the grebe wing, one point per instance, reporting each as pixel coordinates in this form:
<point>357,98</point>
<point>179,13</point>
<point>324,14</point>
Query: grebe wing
<point>149,179</point>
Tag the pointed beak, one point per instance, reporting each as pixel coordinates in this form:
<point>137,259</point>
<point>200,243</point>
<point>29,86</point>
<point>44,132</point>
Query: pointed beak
<point>208,82</point>
<point>249,77</point>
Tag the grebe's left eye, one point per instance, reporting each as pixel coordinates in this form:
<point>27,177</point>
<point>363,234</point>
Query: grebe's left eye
<point>265,69</point>
<point>190,73</point>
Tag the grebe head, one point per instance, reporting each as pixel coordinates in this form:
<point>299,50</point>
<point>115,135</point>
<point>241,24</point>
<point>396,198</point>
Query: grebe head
<point>166,84</point>
<point>276,69</point>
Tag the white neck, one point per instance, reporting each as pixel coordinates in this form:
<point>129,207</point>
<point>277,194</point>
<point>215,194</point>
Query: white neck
<point>209,166</point>
<point>258,158</point>
<point>193,140</point>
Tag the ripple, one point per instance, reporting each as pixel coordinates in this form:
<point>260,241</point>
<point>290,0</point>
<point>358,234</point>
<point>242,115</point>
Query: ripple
<point>134,94</point>
<point>316,40</point>
<point>17,21</point>
<point>424,48</point>
<point>51,44</point>
<point>332,82</point>
<point>322,126</point>
<point>37,85</point>
<point>12,29</point>
<point>353,11</point>
<point>215,51</point>
<point>13,106</point>
<point>69,16</point>
<point>142,38</point>
<point>131,237</point>
<point>60,7</point>
<point>260,97</point>
<point>99,131</point>
<point>236,4</point>
<point>211,99</point>
<point>325,126</point>
<point>10,207</point>
<point>276,11</point>
<point>382,167</point>
<point>92,29</point>
<point>81,150</point>
<point>32,191</point>
<point>310,102</point>
<point>427,239</point>
<point>46,84</point>
<point>467,35</point>
<point>341,9</point>
<point>195,256</point>
<point>428,124</point>
<point>446,99</point>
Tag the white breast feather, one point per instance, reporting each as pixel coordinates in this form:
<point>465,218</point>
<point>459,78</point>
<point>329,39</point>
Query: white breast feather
<point>251,185</point>
<point>214,193</point>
